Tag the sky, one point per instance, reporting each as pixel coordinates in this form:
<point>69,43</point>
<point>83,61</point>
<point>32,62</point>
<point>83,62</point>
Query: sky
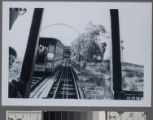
<point>66,21</point>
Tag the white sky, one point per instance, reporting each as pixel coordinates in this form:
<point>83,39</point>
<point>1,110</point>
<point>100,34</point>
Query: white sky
<point>135,24</point>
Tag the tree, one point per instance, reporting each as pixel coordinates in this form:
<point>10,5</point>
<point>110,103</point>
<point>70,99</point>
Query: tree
<point>94,30</point>
<point>93,49</point>
<point>86,45</point>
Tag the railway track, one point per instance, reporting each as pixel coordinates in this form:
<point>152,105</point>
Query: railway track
<point>65,87</point>
<point>36,81</point>
<point>41,85</point>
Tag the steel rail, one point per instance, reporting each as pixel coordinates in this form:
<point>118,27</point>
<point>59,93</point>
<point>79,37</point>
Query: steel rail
<point>76,86</point>
<point>58,84</point>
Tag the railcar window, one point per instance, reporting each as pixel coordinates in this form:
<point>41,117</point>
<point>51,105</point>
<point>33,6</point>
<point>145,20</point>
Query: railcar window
<point>50,56</point>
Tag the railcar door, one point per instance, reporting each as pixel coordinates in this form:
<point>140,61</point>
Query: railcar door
<point>58,56</point>
<point>41,56</point>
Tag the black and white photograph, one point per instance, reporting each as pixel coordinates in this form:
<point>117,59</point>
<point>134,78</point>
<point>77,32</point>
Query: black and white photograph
<point>55,115</point>
<point>126,115</point>
<point>24,115</point>
<point>75,115</point>
<point>76,53</point>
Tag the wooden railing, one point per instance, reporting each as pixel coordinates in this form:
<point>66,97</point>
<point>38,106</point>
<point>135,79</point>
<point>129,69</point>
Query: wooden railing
<point>129,95</point>
<point>133,95</point>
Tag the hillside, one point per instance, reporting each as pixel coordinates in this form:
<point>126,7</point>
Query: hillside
<point>95,79</point>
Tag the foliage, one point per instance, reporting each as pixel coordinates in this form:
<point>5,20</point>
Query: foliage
<point>86,46</point>
<point>93,49</point>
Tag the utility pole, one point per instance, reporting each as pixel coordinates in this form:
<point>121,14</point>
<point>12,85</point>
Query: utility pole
<point>116,57</point>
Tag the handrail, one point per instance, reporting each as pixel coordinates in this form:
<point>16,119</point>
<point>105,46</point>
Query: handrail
<point>76,85</point>
<point>133,94</point>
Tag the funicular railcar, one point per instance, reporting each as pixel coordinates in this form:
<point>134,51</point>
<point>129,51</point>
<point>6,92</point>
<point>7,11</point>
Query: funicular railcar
<point>67,52</point>
<point>66,56</point>
<point>49,55</point>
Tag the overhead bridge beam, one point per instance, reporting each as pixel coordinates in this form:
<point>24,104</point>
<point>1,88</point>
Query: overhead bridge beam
<point>30,53</point>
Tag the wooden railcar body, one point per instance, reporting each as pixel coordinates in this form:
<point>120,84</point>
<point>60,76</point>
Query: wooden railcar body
<point>49,55</point>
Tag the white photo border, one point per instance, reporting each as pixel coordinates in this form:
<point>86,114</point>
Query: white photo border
<point>146,102</point>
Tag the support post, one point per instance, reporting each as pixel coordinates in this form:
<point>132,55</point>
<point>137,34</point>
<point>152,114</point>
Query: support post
<point>116,57</point>
<point>30,53</point>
